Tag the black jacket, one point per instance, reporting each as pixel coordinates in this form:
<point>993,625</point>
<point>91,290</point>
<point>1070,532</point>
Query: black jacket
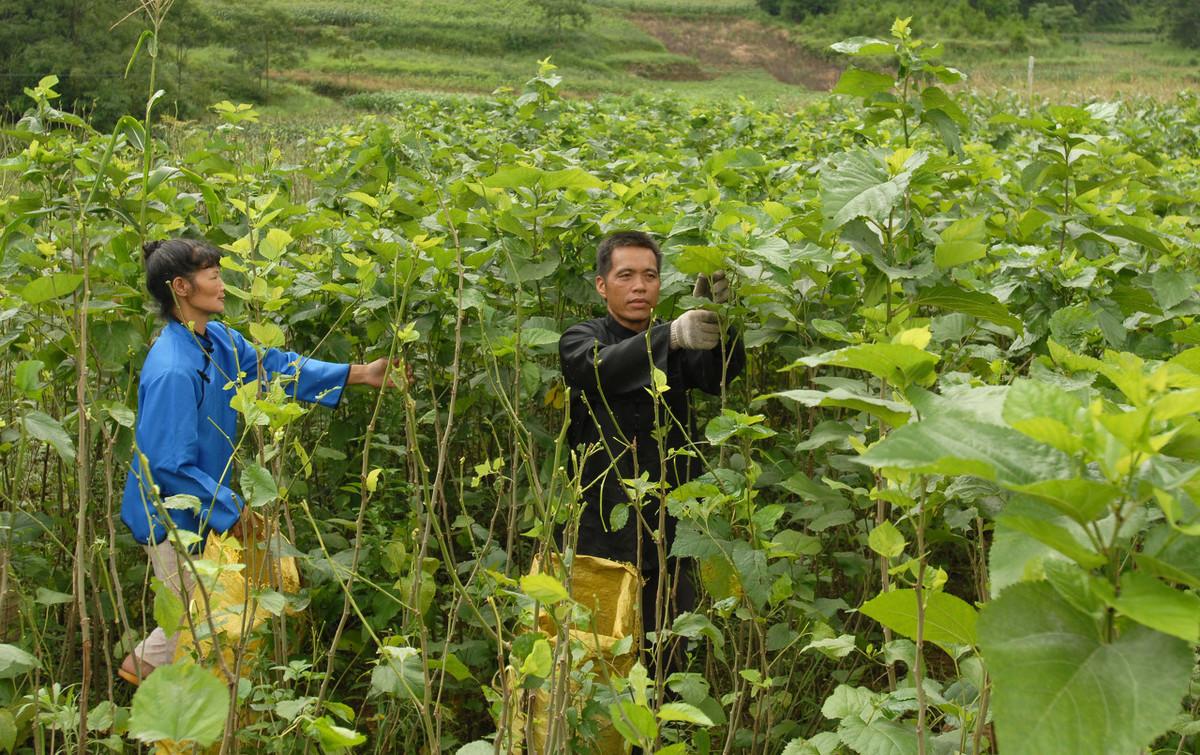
<point>608,369</point>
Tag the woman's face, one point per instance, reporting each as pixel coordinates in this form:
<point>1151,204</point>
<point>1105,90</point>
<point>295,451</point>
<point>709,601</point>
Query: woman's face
<point>204,292</point>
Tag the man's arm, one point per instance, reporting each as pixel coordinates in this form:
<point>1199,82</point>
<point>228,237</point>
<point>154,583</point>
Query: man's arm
<point>590,364</point>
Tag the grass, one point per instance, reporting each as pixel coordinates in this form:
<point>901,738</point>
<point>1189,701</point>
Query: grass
<point>1104,65</point>
<point>477,46</point>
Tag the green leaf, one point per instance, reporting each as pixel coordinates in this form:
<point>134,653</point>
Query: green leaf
<point>48,430</point>
<point>46,597</point>
<point>899,363</point>
<point>974,303</point>
<point>688,714</point>
<point>846,701</point>
<point>168,606</point>
<point>634,722</point>
<point>14,661</point>
<point>886,540</point>
<point>544,588</point>
<point>857,82</point>
<point>540,661</point>
<point>730,423</point>
<point>571,178</point>
<point>878,737</point>
<point>949,620</point>
<point>333,738</point>
<point>364,198</point>
<point>514,177</point>
<point>894,413</point>
<point>51,287</point>
<point>953,444</point>
<point>534,337</point>
<point>700,260</point>
<point>1158,606</point>
<point>863,46</point>
<point>857,184</point>
<point>1059,538</point>
<point>8,730</point>
<point>1082,500</point>
<point>1060,688</point>
<point>399,673</point>
<point>267,334</point>
<point>181,702</point>
<point>258,486</point>
<point>952,253</point>
<point>478,747</point>
<point>832,647</point>
<point>27,378</point>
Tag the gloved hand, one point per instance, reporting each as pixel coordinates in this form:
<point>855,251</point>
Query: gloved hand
<point>696,329</point>
<point>717,289</point>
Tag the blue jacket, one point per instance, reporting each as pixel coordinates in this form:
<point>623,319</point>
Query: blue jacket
<point>186,428</point>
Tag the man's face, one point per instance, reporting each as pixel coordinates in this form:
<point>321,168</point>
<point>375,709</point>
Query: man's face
<point>631,286</point>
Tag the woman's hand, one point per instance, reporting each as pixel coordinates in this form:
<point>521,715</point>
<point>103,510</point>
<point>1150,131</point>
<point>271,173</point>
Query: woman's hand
<point>373,373</point>
<point>250,526</point>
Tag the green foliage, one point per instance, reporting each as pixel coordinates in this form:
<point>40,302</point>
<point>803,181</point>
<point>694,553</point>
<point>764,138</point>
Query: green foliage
<point>1182,22</point>
<point>972,391</point>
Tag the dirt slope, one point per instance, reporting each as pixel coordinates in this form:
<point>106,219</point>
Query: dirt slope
<point>724,43</point>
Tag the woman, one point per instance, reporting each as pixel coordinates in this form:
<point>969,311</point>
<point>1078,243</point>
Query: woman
<point>186,427</point>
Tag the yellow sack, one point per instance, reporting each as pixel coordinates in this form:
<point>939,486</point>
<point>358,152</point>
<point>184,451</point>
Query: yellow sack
<point>231,604</point>
<point>611,590</point>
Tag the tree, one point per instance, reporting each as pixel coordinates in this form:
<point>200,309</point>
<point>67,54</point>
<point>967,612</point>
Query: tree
<point>563,14</point>
<point>75,40</point>
<point>1182,21</point>
<point>188,27</point>
<point>261,38</point>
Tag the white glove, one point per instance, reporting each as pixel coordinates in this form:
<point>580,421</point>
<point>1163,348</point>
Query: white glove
<point>718,290</point>
<point>696,329</point>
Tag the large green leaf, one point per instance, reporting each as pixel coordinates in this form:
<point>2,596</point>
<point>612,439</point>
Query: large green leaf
<point>48,430</point>
<point>860,83</point>
<point>258,486</point>
<point>974,303</point>
<point>1082,500</point>
<point>894,413</point>
<point>962,242</point>
<point>1148,601</point>
<point>858,184</point>
<point>899,363</point>
<point>949,620</point>
<point>182,703</point>
<point>1060,688</point>
<point>51,287</point>
<point>953,444</point>
<point>878,737</point>
<point>14,661</point>
<point>1055,536</point>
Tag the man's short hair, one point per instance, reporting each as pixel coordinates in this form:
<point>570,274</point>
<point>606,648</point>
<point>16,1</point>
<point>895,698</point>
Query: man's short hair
<point>624,238</point>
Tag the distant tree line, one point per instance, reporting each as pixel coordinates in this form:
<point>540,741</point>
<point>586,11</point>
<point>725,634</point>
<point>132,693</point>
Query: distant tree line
<point>1180,18</point>
<point>88,43</point>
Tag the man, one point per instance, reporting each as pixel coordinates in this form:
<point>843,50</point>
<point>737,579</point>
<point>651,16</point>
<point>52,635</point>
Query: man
<point>608,363</point>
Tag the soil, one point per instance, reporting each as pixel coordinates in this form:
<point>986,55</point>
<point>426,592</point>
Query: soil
<point>729,43</point>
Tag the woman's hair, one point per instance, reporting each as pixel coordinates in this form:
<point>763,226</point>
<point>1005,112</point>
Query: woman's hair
<point>172,258</point>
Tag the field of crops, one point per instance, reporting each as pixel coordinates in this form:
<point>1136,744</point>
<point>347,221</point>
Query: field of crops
<point>952,506</point>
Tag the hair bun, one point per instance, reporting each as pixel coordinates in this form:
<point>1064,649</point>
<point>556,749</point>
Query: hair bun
<point>150,247</point>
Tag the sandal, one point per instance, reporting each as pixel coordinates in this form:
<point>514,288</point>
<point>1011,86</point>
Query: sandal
<point>134,671</point>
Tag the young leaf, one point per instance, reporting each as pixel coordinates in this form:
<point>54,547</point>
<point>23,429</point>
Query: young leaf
<point>544,588</point>
<point>886,540</point>
<point>949,620</point>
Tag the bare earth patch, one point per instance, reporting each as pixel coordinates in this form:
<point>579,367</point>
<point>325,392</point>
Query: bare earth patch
<point>725,43</point>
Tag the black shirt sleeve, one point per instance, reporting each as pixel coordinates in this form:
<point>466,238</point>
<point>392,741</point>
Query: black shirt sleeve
<point>590,364</point>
